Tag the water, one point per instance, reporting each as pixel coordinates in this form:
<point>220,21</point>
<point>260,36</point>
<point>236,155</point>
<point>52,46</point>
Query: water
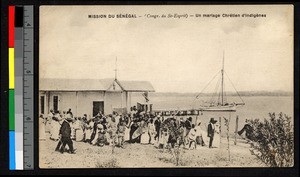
<point>255,107</point>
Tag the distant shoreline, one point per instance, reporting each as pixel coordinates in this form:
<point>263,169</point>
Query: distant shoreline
<point>243,93</point>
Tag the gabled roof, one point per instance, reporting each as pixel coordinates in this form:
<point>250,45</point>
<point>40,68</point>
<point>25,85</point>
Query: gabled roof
<point>137,86</point>
<point>47,84</point>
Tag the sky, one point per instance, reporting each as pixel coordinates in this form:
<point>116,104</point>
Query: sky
<point>174,54</point>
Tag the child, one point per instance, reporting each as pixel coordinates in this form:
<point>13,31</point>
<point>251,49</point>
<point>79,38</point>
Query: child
<point>121,132</point>
<point>151,131</point>
<point>164,138</point>
<point>112,130</point>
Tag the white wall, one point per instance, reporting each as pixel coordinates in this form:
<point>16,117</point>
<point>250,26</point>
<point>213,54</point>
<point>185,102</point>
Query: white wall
<point>83,102</point>
<point>66,100</point>
<point>114,100</point>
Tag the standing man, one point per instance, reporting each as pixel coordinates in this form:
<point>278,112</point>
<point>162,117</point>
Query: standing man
<point>65,133</point>
<point>211,131</point>
<point>157,124</point>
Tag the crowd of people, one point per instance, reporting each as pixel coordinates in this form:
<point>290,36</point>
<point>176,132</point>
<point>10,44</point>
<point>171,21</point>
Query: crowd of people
<point>116,129</point>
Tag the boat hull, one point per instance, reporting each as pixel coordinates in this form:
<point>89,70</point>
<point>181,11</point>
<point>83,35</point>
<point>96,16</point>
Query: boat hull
<point>219,109</point>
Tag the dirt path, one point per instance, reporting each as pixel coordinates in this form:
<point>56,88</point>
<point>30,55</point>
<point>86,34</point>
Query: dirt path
<point>139,156</point>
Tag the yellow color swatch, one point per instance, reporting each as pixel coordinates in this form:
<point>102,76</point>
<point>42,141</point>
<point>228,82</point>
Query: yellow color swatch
<point>11,67</point>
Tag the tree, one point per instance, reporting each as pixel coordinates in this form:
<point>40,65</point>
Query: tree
<point>274,140</point>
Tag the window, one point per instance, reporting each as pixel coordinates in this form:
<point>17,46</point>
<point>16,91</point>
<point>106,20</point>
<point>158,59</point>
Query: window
<point>43,104</point>
<point>55,103</point>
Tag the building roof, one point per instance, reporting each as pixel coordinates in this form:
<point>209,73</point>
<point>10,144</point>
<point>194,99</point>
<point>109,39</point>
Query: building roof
<point>92,85</point>
<point>137,86</point>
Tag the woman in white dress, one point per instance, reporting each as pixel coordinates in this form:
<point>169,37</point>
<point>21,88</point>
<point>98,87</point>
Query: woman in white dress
<point>145,136</point>
<point>216,142</point>
<point>55,126</point>
<point>78,130</point>
<point>94,141</point>
<point>88,130</point>
<point>127,129</point>
<point>42,131</point>
<point>203,132</point>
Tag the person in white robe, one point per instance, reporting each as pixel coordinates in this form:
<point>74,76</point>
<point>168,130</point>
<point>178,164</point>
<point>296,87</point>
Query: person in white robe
<point>200,135</point>
<point>78,130</point>
<point>145,136</point>
<point>89,130</point>
<point>55,126</point>
<point>48,122</point>
<point>95,140</point>
<point>192,138</point>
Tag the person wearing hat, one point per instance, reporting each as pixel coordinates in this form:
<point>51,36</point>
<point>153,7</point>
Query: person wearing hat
<point>65,133</point>
<point>211,131</point>
<point>248,128</point>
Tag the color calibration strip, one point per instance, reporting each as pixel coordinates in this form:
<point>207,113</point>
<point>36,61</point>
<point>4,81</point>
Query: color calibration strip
<point>11,63</point>
<point>21,87</point>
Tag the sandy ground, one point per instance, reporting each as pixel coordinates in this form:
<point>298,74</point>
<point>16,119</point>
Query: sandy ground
<point>143,156</point>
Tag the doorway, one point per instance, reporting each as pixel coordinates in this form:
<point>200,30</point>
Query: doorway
<point>98,106</point>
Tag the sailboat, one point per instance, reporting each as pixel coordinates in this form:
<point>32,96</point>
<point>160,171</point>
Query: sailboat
<point>221,105</point>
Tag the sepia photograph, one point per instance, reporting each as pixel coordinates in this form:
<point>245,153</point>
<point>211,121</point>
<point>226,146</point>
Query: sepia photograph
<point>166,86</point>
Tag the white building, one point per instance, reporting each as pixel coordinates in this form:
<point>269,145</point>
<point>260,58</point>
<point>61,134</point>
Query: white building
<point>89,96</point>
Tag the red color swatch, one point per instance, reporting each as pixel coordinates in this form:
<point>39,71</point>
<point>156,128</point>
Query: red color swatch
<point>11,26</point>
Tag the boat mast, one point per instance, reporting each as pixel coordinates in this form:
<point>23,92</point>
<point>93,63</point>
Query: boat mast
<point>222,71</point>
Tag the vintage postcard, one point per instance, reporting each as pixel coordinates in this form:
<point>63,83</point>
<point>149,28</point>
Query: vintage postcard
<point>151,86</point>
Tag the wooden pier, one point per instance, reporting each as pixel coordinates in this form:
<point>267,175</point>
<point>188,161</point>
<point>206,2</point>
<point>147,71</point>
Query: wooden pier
<point>182,112</point>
